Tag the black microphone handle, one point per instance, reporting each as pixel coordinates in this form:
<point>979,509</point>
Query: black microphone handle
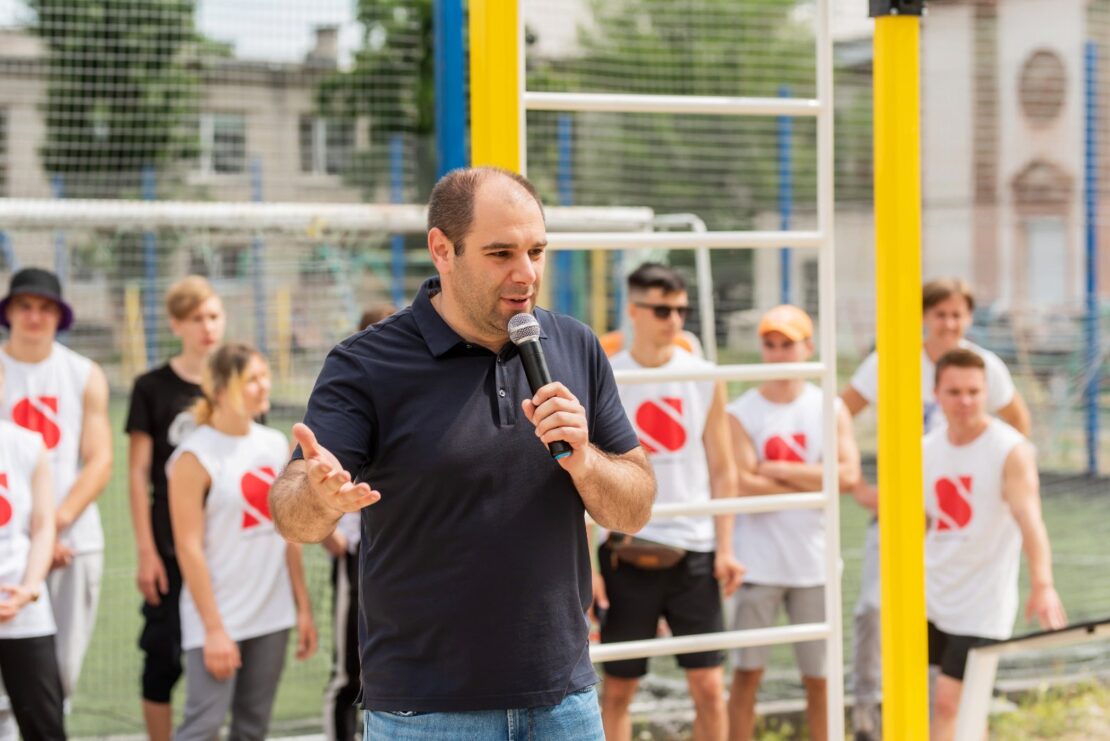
<point>535,368</point>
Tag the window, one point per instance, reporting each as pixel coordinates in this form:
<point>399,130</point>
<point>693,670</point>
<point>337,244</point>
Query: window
<point>810,288</point>
<point>327,145</point>
<point>223,143</point>
<point>3,152</point>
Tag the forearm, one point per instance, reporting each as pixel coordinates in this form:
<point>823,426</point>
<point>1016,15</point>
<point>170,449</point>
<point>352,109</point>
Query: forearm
<point>617,492</point>
<point>724,485</point>
<point>1038,553</point>
<point>88,486</point>
<point>194,572</point>
<point>803,476</point>
<point>40,555</point>
<point>295,562</point>
<point>754,484</point>
<point>139,499</point>
<point>299,515</point>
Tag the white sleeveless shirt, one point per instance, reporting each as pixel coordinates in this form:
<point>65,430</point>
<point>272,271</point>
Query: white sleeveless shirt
<point>669,418</point>
<point>786,548</point>
<point>19,452</point>
<point>1000,385</point>
<point>244,553</point>
<point>973,546</point>
<point>49,398</point>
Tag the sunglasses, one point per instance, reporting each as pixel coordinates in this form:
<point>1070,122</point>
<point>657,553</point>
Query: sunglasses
<point>663,311</point>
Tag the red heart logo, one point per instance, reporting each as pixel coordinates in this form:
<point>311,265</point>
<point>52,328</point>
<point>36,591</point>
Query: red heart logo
<point>39,414</point>
<point>779,448</point>
<point>5,504</point>
<point>660,425</point>
<point>256,485</point>
<point>954,501</point>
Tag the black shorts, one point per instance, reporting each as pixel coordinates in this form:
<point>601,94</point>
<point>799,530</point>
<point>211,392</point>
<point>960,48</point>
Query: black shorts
<point>161,639</point>
<point>949,652</point>
<point>686,595</point>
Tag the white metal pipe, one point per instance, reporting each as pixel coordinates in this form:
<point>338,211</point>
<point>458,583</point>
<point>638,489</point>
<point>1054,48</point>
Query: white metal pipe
<point>704,274</point>
<point>740,505</point>
<point>709,642</point>
<point>751,372</point>
<point>826,281</point>
<point>665,240</point>
<point>711,105</point>
<point>48,213</point>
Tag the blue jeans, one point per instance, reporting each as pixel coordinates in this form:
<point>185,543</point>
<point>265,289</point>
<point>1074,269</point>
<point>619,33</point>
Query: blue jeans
<point>576,718</point>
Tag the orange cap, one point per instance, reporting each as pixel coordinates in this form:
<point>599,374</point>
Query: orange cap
<point>788,319</point>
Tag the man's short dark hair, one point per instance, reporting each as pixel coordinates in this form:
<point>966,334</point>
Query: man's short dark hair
<point>656,275</point>
<point>959,358</point>
<point>942,289</point>
<point>451,205</point>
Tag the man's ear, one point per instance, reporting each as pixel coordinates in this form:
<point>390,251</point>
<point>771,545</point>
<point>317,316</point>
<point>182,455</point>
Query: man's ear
<point>440,248</point>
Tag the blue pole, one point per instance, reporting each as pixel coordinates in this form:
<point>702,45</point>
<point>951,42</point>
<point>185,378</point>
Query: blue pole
<point>564,259</point>
<point>397,195</point>
<point>61,254</point>
<point>7,253</point>
<point>450,87</point>
<point>786,193</point>
<point>150,276</point>
<point>1091,205</point>
<point>258,263</point>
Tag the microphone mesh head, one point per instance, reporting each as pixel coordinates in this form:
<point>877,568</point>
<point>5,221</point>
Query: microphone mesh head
<point>523,327</point>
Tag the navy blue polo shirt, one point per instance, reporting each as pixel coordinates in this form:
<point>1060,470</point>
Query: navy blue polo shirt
<point>475,571</point>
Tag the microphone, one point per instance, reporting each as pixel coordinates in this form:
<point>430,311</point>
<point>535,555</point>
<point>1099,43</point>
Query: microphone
<point>524,331</point>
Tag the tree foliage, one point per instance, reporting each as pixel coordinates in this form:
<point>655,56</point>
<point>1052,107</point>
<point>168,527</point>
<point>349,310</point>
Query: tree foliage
<point>120,95</point>
<point>391,87</point>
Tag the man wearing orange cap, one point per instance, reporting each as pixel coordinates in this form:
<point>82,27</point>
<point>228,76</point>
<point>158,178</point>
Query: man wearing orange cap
<point>777,440</point>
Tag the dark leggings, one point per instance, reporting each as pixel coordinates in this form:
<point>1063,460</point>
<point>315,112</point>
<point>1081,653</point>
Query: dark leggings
<point>30,670</point>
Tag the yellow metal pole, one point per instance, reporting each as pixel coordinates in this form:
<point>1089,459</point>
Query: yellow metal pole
<point>599,297</point>
<point>898,288</point>
<point>497,94</point>
<point>496,103</point>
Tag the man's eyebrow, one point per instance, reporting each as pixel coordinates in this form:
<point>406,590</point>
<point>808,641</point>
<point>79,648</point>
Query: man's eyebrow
<point>494,246</point>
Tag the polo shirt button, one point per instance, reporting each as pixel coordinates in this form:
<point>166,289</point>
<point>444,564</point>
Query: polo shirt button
<point>501,393</point>
<point>469,346</point>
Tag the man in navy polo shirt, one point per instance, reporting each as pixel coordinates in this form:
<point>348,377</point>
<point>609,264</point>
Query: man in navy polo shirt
<point>475,572</point>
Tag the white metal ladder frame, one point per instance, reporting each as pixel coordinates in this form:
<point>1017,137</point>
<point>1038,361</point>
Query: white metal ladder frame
<point>820,108</point>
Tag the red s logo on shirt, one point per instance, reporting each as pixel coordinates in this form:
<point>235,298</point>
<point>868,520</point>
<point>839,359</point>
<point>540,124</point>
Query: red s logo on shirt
<point>789,448</point>
<point>954,502</point>
<point>660,425</point>
<point>255,486</point>
<point>39,414</point>
<point>5,503</point>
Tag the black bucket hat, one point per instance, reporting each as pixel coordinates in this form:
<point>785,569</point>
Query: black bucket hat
<point>37,282</point>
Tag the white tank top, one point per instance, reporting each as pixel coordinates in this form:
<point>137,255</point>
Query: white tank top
<point>782,548</point>
<point>19,451</point>
<point>244,553</point>
<point>49,398</point>
<point>973,546</point>
<point>669,418</point>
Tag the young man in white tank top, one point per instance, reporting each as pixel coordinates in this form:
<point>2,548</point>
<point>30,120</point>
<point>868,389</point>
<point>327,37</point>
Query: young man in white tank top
<point>947,305</point>
<point>64,397</point>
<point>683,427</point>
<point>982,496</point>
<point>777,434</point>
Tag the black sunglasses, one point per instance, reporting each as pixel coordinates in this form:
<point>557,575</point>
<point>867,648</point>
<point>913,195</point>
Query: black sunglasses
<point>662,311</point>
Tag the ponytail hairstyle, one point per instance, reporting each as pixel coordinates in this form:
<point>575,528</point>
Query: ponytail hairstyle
<point>224,374</point>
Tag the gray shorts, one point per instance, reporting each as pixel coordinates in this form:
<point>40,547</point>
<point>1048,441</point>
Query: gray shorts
<point>757,606</point>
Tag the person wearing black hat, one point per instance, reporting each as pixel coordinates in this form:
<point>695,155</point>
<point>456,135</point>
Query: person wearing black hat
<point>63,396</point>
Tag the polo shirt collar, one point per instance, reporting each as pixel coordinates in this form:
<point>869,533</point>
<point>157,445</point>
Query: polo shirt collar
<point>437,333</point>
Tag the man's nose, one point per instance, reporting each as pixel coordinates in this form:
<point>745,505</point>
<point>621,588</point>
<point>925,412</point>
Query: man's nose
<point>524,270</point>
